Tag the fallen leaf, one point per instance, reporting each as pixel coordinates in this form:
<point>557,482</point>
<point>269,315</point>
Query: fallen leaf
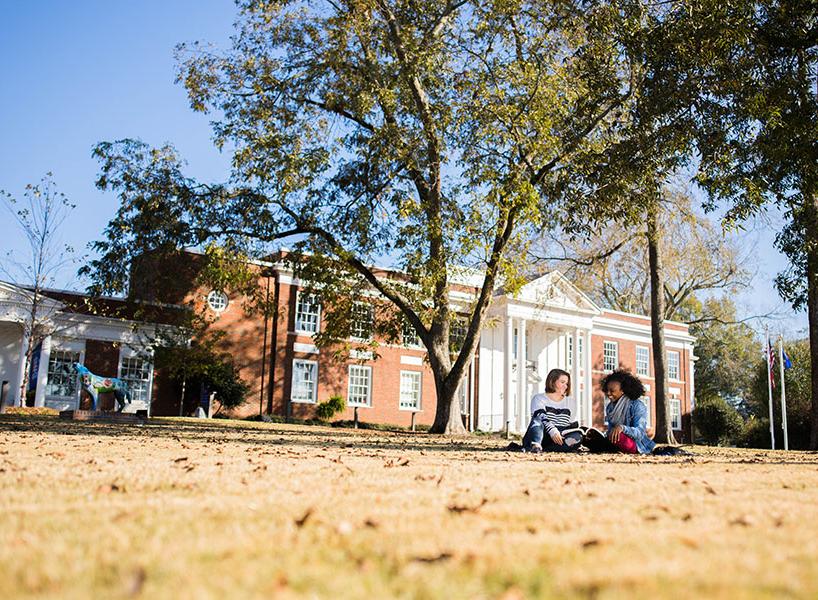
<point>300,522</point>
<point>460,508</point>
<point>433,559</point>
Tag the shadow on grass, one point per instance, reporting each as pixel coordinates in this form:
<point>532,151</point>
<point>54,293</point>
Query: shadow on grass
<point>490,447</point>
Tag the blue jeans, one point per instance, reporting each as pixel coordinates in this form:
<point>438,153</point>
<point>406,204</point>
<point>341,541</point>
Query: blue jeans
<point>536,432</point>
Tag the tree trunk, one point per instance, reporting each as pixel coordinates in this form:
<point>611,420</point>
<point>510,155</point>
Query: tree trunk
<point>447,414</point>
<point>811,243</point>
<point>664,432</point>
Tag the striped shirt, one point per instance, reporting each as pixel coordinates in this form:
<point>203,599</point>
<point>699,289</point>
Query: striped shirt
<point>557,415</point>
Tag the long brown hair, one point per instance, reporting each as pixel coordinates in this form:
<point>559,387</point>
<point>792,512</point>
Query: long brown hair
<point>553,375</point>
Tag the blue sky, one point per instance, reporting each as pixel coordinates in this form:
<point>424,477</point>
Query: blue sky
<point>73,74</point>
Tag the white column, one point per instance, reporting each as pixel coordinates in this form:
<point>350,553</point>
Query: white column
<point>575,371</point>
<point>42,373</point>
<point>522,378</point>
<point>507,372</point>
<point>21,371</point>
<point>589,381</point>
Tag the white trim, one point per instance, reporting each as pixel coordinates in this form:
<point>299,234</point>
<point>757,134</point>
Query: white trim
<point>368,402</point>
<point>315,383</point>
<point>305,348</point>
<point>416,361</point>
<point>419,405</point>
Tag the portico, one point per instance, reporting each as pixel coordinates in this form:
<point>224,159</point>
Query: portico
<point>546,325</point>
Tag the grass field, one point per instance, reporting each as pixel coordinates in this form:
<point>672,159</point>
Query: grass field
<point>214,509</point>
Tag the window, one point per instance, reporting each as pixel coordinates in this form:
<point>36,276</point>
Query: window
<point>305,381</point>
<point>463,397</point>
<point>647,405</point>
<point>136,373</point>
<point>307,313</point>
<point>217,301</point>
<point>675,413</point>
<point>359,392</point>
<point>361,320</point>
<point>410,336</point>
<point>409,390</point>
<point>673,365</point>
<point>580,349</point>
<point>570,340</point>
<point>610,356</point>
<point>457,334</point>
<point>62,378</point>
<point>643,361</point>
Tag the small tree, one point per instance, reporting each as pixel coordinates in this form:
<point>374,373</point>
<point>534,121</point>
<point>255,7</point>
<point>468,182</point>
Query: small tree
<point>40,215</point>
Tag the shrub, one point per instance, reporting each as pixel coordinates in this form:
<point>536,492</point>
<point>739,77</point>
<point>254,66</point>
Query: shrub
<point>326,410</point>
<point>755,434</point>
<point>716,422</point>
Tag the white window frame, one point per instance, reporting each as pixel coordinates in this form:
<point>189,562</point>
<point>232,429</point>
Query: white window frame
<point>646,362</point>
<point>606,346</point>
<point>77,348</point>
<point>649,411</point>
<point>354,320</point>
<point>580,349</point>
<point>127,354</point>
<point>673,365</point>
<point>407,328</point>
<point>355,371</point>
<point>293,383</point>
<point>218,301</point>
<point>675,413</point>
<point>417,404</point>
<point>300,321</point>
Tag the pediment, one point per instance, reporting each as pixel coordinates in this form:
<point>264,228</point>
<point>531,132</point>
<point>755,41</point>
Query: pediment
<point>14,301</point>
<point>554,290</point>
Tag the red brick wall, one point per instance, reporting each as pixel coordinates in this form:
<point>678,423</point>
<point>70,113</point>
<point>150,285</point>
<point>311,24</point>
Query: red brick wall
<point>627,360</point>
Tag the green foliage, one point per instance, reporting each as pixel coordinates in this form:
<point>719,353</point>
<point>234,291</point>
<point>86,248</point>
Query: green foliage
<point>799,396</point>
<point>328,409</point>
<point>203,363</point>
<point>716,422</point>
<point>437,136</point>
<point>728,352</point>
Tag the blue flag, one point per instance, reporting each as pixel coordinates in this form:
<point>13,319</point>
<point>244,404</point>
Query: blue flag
<point>787,361</point>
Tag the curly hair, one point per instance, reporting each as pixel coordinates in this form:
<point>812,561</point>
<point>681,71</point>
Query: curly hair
<point>631,386</point>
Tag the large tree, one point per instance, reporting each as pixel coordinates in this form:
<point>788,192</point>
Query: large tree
<point>431,134</point>
<point>759,132</point>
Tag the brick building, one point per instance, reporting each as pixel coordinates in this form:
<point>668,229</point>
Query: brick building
<point>550,323</point>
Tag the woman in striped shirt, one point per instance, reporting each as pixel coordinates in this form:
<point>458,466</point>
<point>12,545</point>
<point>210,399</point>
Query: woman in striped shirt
<point>551,414</point>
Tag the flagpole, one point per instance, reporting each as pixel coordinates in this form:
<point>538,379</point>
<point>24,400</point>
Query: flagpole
<point>767,356</point>
<point>783,391</point>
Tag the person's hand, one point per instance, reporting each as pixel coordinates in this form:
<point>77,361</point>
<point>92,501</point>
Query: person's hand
<point>614,433</point>
<point>557,437</point>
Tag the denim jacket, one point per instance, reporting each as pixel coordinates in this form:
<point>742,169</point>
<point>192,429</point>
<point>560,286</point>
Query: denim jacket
<point>635,425</point>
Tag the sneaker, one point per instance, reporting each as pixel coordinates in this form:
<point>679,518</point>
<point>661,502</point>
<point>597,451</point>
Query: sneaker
<point>535,448</point>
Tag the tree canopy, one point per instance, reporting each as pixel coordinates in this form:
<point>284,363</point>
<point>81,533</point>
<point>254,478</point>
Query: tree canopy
<point>432,135</point>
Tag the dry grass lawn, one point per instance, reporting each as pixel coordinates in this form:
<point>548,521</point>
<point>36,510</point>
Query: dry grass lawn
<point>195,509</point>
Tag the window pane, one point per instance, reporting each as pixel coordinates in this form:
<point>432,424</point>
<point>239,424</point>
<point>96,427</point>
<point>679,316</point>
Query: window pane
<point>610,353</point>
<point>642,361</point>
<point>360,385</point>
<point>675,413</point>
<point>410,390</point>
<point>361,323</point>
<point>136,373</point>
<point>62,378</point>
<point>410,336</point>
<point>304,381</point>
<point>673,365</point>
<point>307,313</point>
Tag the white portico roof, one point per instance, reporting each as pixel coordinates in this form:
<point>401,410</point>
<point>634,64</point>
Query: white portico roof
<point>15,303</point>
<point>552,299</point>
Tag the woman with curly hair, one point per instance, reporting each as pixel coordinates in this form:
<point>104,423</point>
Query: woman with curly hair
<point>626,417</point>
